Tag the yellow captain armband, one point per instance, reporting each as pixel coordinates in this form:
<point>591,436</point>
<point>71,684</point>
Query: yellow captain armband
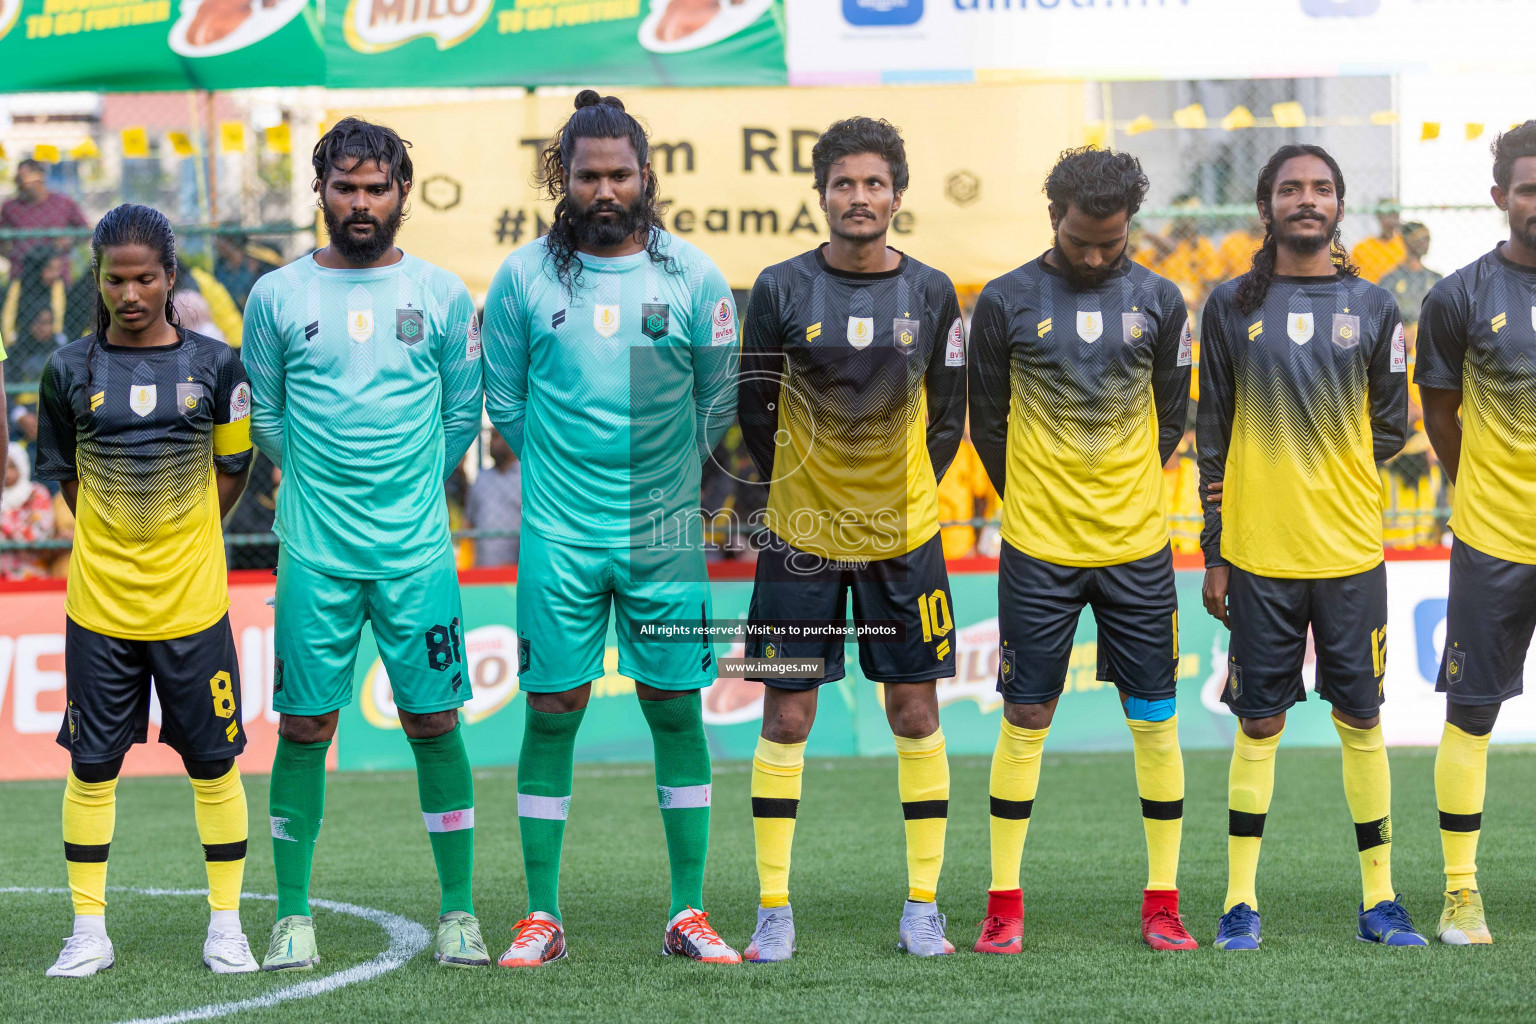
<point>232,438</point>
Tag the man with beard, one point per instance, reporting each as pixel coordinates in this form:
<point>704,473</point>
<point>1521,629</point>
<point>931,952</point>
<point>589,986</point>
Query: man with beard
<point>611,350</point>
<point>1079,389</point>
<point>1303,391</point>
<point>1477,356</point>
<point>853,405</point>
<point>365,370</point>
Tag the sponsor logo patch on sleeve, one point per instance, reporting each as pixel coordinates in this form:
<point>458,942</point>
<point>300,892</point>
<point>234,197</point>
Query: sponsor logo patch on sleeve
<point>240,402</point>
<point>723,323</point>
<point>1186,345</point>
<point>954,345</point>
<point>472,340</point>
<point>1399,351</point>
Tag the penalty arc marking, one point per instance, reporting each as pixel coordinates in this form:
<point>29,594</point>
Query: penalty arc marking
<point>406,939</point>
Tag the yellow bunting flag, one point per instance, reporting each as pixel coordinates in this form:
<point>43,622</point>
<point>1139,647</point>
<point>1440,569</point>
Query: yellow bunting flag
<point>1140,125</point>
<point>45,153</point>
<point>181,143</point>
<point>1474,130</point>
<point>1289,114</point>
<point>85,151</point>
<point>1239,117</point>
<point>1192,116</point>
<point>1429,130</point>
<point>1384,117</point>
<point>279,138</point>
<point>231,137</point>
<point>135,142</point>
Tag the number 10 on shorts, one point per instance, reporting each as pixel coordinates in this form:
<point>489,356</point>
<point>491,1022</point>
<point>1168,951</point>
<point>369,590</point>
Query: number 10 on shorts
<point>934,610</point>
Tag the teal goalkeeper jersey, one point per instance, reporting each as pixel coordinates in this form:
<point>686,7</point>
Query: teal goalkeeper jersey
<point>366,392</point>
<point>612,393</point>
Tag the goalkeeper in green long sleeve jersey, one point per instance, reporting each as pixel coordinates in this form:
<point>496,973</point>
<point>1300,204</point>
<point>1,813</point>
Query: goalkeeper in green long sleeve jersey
<point>611,356</point>
<point>365,373</point>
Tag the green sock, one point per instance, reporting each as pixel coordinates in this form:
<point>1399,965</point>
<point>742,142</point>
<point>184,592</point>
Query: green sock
<point>543,800</point>
<point>682,791</point>
<point>447,789</point>
<point>296,802</point>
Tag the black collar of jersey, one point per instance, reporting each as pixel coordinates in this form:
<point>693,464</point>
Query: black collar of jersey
<point>1308,279</point>
<point>853,275</point>
<point>1121,269</point>
<point>107,346</point>
<point>1519,268</point>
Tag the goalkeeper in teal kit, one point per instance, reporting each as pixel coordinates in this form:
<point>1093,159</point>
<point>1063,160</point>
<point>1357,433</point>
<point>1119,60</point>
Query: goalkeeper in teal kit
<point>366,390</point>
<point>611,354</point>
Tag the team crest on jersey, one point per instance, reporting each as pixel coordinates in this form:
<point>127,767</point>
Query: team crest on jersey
<point>722,323</point>
<point>861,331</point>
<point>410,326</point>
<point>141,399</point>
<point>905,333</point>
<point>1186,345</point>
<point>187,396</point>
<point>1299,327</point>
<point>605,320</point>
<point>360,324</point>
<point>1090,325</point>
<point>654,318</point>
<point>954,345</point>
<point>1134,326</point>
<point>1346,330</point>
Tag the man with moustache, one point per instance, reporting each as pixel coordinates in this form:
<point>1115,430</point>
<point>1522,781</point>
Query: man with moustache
<point>610,355</point>
<point>1303,390</point>
<point>365,372</point>
<point>1080,364</point>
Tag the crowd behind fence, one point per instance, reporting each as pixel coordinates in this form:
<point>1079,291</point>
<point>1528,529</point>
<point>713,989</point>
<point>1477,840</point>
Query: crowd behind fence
<point>231,170</point>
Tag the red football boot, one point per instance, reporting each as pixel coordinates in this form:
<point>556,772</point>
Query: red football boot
<point>1003,929</point>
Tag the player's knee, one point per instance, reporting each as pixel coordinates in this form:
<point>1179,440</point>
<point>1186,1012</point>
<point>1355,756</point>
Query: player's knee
<point>103,771</point>
<point>1029,716</point>
<point>1263,728</point>
<point>1472,719</point>
<point>565,702</point>
<point>307,728</point>
<point>207,770</point>
<point>912,709</point>
<point>429,725</point>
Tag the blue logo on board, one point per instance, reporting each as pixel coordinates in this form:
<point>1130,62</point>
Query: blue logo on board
<point>879,13</point>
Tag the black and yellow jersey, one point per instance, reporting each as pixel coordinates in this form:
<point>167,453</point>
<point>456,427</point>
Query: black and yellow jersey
<point>1298,402</point>
<point>143,430</point>
<point>1477,335</point>
<point>852,402</point>
<point>1078,397</point>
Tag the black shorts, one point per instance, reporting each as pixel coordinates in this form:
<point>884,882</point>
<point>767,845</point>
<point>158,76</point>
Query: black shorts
<point>1135,605</point>
<point>107,684</point>
<point>1270,616</point>
<point>1489,619</point>
<point>911,590</point>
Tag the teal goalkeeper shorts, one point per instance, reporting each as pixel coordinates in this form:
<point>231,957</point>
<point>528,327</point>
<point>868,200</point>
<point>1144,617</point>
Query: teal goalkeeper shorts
<point>563,597</point>
<point>417,622</point>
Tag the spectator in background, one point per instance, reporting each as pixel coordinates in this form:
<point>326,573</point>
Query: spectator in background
<point>37,283</point>
<point>238,264</point>
<point>30,352</point>
<point>35,208</point>
<point>1375,256</point>
<point>1411,280</point>
<point>26,515</point>
<point>496,503</point>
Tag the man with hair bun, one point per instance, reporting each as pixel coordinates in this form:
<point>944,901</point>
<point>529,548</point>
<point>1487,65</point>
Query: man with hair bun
<point>1079,390</point>
<point>610,352</point>
<point>1477,372</point>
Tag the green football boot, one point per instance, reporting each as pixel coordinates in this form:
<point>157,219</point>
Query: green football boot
<point>293,945</point>
<point>458,941</point>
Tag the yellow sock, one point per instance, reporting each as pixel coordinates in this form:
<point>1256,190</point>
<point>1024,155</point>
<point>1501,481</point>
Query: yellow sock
<point>922,778</point>
<point>1461,775</point>
<point>90,814</point>
<point>1160,784</point>
<point>1250,787</point>
<point>223,826</point>
<point>776,772</point>
<point>1015,778</point>
<point>1368,788</point>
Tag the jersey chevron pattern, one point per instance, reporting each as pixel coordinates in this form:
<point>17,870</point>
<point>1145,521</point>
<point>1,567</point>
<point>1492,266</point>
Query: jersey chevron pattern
<point>367,392</point>
<point>852,400</point>
<point>1477,335</point>
<point>143,430</point>
<point>613,394</point>
<point>1078,397</point>
<point>1298,402</point>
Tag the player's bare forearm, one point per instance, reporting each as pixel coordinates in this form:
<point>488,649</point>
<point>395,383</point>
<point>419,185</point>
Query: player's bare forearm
<point>1442,423</point>
<point>71,491</point>
<point>230,485</point>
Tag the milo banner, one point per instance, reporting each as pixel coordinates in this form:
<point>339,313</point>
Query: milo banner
<point>735,169</point>
<point>145,45</point>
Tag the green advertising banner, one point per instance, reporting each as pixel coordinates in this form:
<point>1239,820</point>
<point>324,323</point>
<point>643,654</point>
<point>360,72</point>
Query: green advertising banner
<point>151,45</point>
<point>850,718</point>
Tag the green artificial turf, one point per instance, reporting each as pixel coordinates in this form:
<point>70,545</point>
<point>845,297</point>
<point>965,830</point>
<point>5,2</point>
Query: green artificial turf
<point>1084,868</point>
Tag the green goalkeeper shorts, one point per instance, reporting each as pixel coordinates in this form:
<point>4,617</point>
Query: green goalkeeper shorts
<point>564,593</point>
<point>417,622</point>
